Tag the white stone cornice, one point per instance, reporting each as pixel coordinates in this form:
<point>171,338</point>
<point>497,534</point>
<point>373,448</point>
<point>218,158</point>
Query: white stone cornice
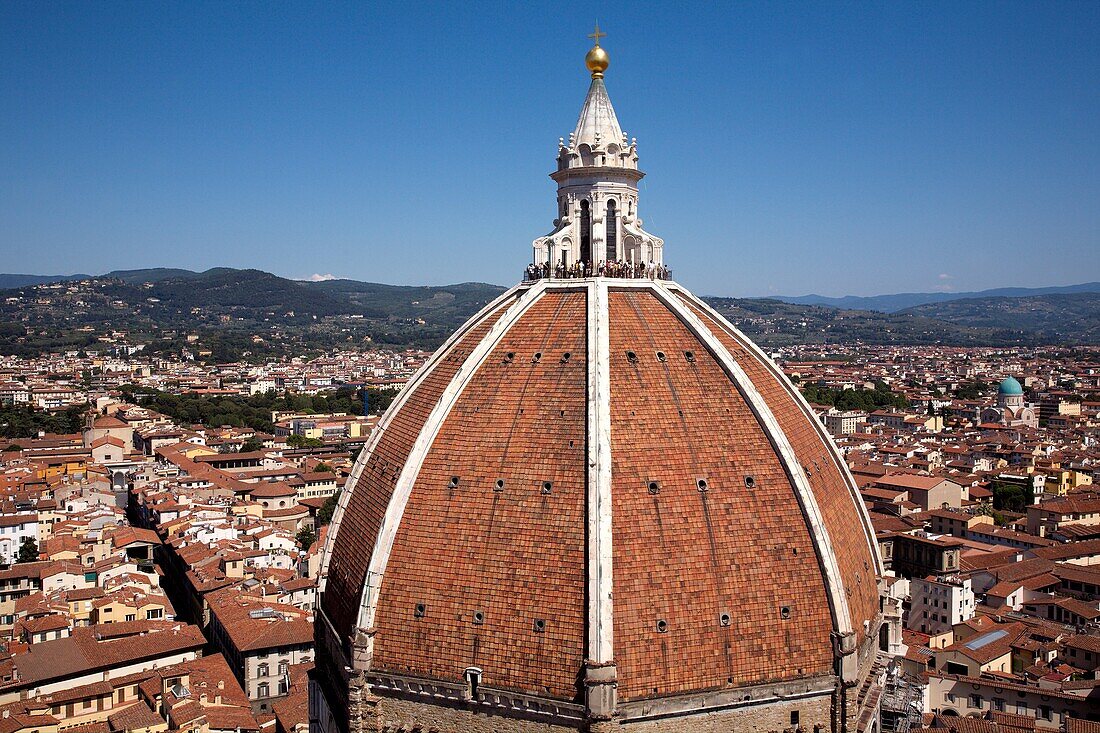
<point>815,523</point>
<point>387,417</point>
<point>600,620</point>
<point>395,509</point>
<point>800,400</point>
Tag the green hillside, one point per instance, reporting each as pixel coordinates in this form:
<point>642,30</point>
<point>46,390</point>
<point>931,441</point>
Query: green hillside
<point>226,314</point>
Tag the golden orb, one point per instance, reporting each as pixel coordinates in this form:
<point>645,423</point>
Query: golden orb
<point>597,61</point>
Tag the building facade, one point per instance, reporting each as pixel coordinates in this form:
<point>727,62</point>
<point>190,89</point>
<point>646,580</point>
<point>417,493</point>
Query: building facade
<point>937,604</point>
<point>1011,409</point>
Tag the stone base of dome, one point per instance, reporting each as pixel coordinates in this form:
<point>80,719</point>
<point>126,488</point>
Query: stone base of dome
<point>394,715</point>
<point>395,704</point>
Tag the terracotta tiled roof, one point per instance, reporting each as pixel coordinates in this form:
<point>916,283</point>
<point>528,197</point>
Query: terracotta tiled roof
<point>83,652</point>
<point>906,481</point>
<point>507,539</point>
<point>372,494</point>
<point>272,489</point>
<point>1076,725</point>
<point>284,626</point>
<point>135,717</point>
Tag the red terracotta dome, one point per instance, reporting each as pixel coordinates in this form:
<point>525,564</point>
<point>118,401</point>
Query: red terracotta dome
<point>599,507</point>
<point>599,475</point>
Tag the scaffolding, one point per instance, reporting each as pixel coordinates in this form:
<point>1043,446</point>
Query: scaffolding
<point>902,700</point>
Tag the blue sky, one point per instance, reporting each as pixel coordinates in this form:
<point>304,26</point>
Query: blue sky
<point>852,148</point>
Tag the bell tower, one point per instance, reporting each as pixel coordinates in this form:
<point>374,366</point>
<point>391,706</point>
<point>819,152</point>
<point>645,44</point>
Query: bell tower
<point>597,176</point>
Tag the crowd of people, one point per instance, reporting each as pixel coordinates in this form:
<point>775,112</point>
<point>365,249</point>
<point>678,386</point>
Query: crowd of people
<point>613,268</point>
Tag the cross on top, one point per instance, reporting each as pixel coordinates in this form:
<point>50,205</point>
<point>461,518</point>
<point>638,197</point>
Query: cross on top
<point>596,36</point>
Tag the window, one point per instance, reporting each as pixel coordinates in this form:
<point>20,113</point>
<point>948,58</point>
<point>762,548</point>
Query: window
<point>263,670</point>
<point>612,232</point>
<point>472,676</point>
<point>131,617</point>
<point>1044,712</point>
<point>154,613</point>
<point>998,704</point>
<point>263,690</point>
<point>976,701</point>
<point>586,232</point>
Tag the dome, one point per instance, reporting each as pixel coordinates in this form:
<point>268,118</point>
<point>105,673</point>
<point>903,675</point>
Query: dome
<point>599,507</point>
<point>1010,387</point>
<point>599,495</point>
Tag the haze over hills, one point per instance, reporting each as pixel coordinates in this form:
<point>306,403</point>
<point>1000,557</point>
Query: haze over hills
<point>901,301</point>
<point>1050,317</point>
<point>230,314</point>
<point>13,280</point>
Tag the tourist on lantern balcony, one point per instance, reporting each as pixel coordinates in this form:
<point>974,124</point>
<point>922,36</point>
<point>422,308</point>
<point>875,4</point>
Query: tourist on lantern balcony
<point>615,269</point>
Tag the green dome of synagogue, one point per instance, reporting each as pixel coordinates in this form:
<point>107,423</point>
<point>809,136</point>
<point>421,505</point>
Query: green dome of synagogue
<point>1010,387</point>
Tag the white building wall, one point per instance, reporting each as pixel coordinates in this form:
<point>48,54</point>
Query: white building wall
<point>11,537</point>
<point>937,606</point>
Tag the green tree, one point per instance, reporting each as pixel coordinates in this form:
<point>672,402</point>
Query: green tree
<point>306,537</point>
<point>252,444</point>
<point>28,550</point>
<point>323,467</point>
<point>971,390</point>
<point>27,422</point>
<point>1009,497</point>
<point>856,399</point>
<point>300,441</point>
<point>378,400</point>
<point>324,514</point>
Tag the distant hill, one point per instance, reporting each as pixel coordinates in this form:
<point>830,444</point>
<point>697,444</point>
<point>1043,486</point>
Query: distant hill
<point>902,301</point>
<point>410,301</point>
<point>234,312</point>
<point>225,314</point>
<point>775,323</point>
<point>11,280</point>
<point>155,274</point>
<point>1059,318</point>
